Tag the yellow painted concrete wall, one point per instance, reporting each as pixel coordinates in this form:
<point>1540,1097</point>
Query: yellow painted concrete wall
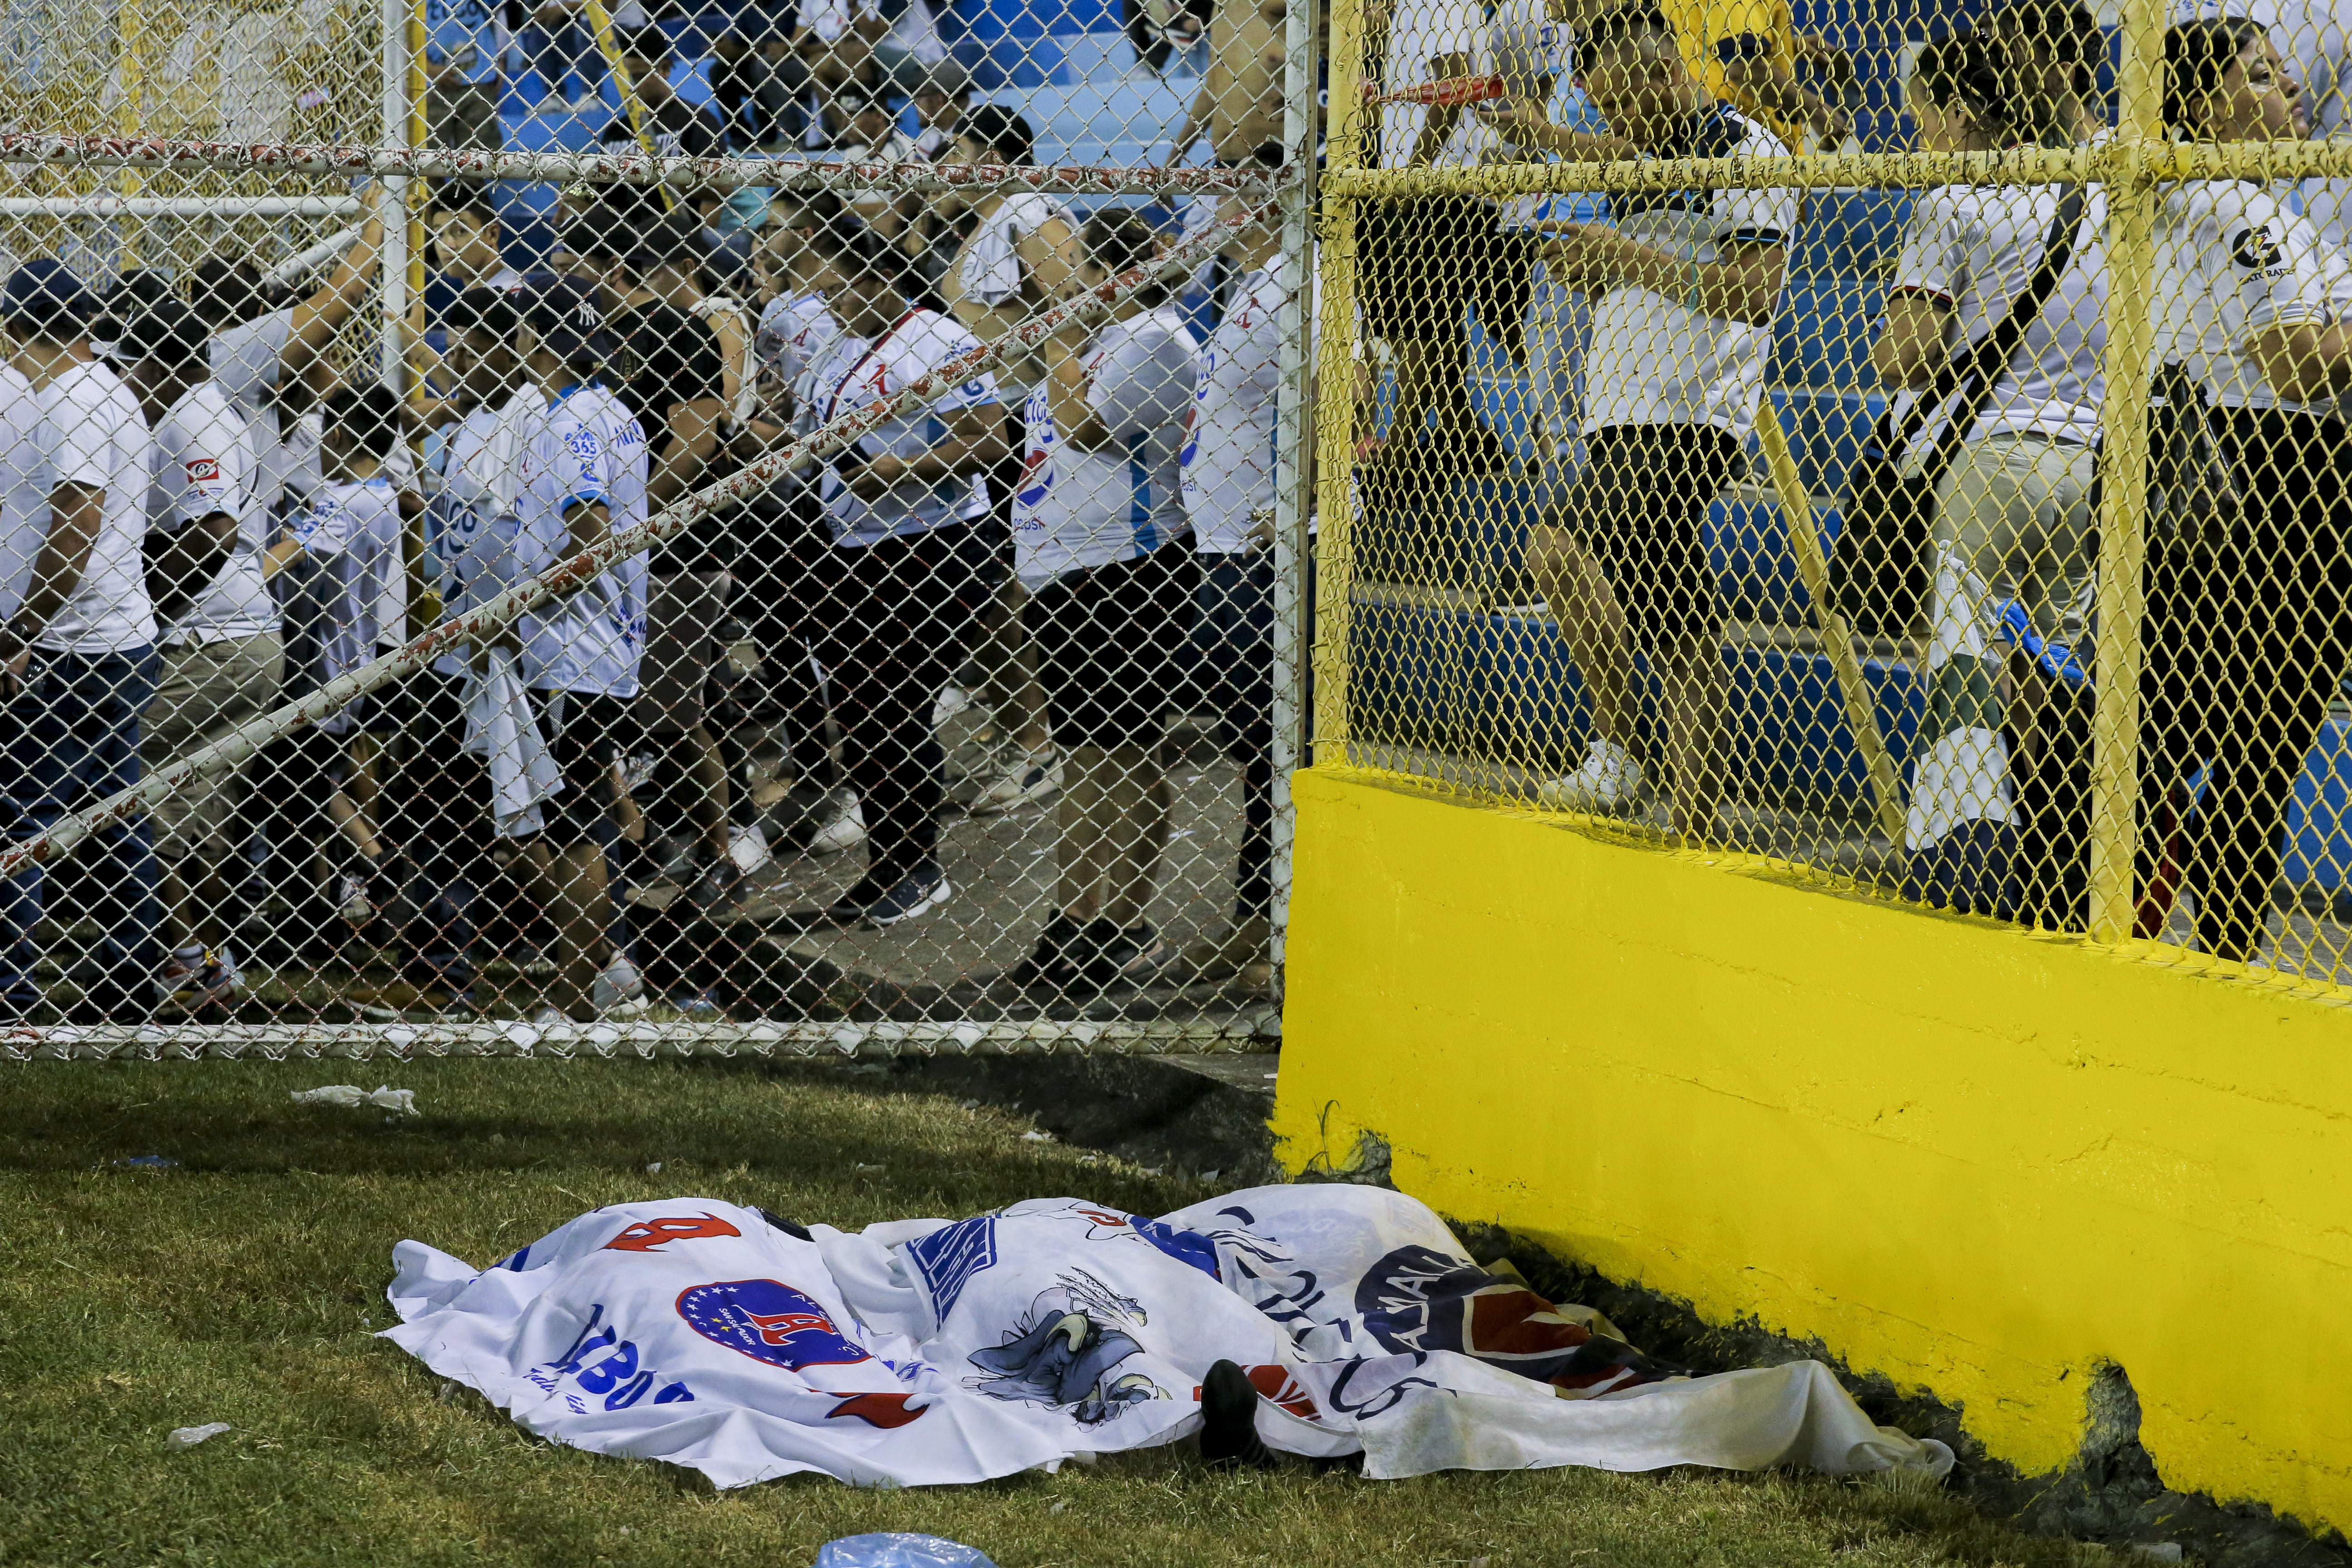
<point>1972,1158</point>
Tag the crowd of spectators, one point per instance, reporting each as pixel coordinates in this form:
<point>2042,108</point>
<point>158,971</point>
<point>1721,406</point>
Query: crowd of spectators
<point>218,504</point>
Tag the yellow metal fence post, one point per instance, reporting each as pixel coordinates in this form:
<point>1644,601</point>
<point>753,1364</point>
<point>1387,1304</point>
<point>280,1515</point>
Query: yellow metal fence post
<point>1812,565</point>
<point>2131,194</point>
<point>1343,361</point>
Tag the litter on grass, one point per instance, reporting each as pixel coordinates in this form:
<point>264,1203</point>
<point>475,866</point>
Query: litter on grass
<point>893,1549</point>
<point>931,1351</point>
<point>351,1097</point>
<point>189,1437</point>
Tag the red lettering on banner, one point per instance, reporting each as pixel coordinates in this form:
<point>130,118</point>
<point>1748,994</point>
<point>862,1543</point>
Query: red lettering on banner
<point>883,1410</point>
<point>650,1234</point>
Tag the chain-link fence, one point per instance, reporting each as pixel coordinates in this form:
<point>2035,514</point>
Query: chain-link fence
<point>1907,451</point>
<point>830,587</point>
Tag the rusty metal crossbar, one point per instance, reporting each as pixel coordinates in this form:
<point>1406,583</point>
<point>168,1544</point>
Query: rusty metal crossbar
<point>21,148</point>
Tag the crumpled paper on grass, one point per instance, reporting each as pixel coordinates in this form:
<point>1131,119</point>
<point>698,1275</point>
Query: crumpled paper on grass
<point>351,1097</point>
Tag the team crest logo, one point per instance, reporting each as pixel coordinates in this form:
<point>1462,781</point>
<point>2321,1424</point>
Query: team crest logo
<point>2256,250</point>
<point>768,1321</point>
<point>203,470</point>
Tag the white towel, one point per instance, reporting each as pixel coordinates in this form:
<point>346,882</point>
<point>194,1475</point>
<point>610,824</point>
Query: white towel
<point>499,726</point>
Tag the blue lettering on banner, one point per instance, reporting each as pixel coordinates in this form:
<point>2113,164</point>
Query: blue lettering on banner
<point>949,1256</point>
<point>616,1379</point>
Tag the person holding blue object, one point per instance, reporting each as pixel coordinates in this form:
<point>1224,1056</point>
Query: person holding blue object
<point>77,660</point>
<point>1988,822</point>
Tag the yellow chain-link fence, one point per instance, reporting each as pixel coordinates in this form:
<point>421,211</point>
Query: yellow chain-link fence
<point>1961,519</point>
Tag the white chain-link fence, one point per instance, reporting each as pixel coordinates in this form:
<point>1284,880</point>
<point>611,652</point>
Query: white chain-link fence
<point>814,592</point>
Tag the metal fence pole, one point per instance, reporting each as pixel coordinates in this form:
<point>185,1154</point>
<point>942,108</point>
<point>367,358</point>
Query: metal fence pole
<point>1294,499</point>
<point>2131,194</point>
<point>392,267</point>
<point>1340,359</point>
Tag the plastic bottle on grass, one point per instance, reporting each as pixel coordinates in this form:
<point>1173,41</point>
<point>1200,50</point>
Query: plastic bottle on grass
<point>893,1549</point>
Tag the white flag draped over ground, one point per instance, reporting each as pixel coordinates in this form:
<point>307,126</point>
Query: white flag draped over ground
<point>930,1352</point>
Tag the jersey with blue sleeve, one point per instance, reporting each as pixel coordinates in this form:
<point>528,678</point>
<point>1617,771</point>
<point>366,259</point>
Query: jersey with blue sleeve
<point>350,532</point>
<point>1076,509</point>
<point>584,448</point>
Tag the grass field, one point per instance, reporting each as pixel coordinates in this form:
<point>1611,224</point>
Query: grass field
<point>243,1285</point>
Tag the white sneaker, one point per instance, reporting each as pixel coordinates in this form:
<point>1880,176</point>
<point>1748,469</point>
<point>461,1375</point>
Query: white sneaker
<point>1025,776</point>
<point>949,702</point>
<point>841,827</point>
<point>1610,780</point>
<point>352,899</point>
<point>619,988</point>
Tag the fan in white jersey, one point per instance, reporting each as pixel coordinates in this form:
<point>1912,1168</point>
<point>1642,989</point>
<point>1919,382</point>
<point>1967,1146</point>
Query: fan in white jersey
<point>331,562</point>
<point>1100,538</point>
<point>1228,463</point>
<point>1686,284</point>
<point>2013,514</point>
<point>581,470</point>
<point>77,658</point>
<point>2258,616</point>
<point>221,656</point>
<point>892,607</point>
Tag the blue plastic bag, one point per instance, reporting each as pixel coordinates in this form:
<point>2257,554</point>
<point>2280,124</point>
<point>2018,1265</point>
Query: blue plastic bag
<point>893,1549</point>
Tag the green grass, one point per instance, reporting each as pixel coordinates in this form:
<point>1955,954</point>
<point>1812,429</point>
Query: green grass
<point>244,1285</point>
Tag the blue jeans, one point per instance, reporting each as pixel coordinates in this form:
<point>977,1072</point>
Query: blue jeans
<point>1233,633</point>
<point>71,739</point>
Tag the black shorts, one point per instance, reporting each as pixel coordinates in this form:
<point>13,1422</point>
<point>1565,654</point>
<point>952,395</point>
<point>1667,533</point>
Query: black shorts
<point>1640,507</point>
<point>1114,647</point>
<point>1425,260</point>
<point>587,733</point>
<point>388,710</point>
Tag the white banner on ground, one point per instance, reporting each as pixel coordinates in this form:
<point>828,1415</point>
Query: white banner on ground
<point>930,1352</point>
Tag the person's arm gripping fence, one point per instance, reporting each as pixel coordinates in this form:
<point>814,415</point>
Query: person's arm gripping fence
<point>579,571</point>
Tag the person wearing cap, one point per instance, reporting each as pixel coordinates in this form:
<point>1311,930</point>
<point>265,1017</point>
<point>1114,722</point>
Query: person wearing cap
<point>77,660</point>
<point>222,661</point>
<point>896,601</point>
<point>873,136</point>
<point>941,98</point>
<point>582,467</point>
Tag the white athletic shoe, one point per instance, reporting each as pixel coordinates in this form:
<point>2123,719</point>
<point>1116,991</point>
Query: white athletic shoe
<point>1609,780</point>
<point>1017,776</point>
<point>620,990</point>
<point>840,825</point>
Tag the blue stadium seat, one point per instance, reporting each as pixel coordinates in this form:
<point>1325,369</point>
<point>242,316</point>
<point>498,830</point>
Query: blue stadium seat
<point>1850,232</point>
<point>1823,332</point>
